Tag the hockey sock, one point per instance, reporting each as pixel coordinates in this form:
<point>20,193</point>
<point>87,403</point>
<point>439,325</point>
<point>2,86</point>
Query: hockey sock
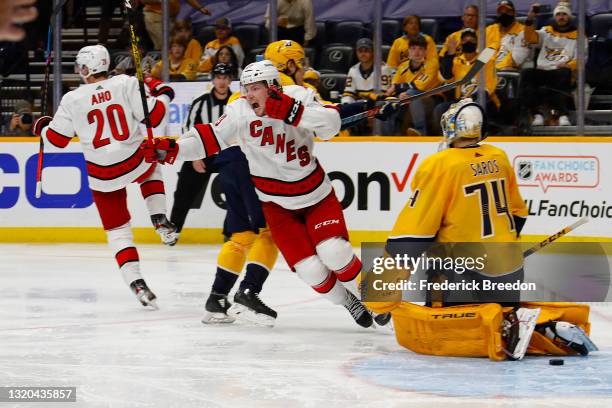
<point>224,281</point>
<point>254,278</point>
<point>121,243</point>
<point>153,192</point>
<point>312,271</point>
<point>337,254</point>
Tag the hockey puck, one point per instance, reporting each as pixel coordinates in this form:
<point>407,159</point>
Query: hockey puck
<point>556,361</point>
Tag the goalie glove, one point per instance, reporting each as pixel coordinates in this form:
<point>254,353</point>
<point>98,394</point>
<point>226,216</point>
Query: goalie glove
<point>162,150</point>
<point>40,124</point>
<point>158,88</point>
<point>283,107</point>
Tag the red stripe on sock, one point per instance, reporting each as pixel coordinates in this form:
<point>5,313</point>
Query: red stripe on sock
<point>129,254</point>
<point>350,271</point>
<point>327,284</point>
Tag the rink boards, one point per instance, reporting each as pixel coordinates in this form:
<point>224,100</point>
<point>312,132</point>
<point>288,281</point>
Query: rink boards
<point>561,179</point>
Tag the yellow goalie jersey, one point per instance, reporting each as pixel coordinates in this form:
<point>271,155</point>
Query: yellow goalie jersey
<point>464,194</point>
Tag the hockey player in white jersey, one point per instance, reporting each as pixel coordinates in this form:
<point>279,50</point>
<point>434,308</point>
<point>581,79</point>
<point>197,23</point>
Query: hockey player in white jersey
<point>275,128</point>
<point>106,114</point>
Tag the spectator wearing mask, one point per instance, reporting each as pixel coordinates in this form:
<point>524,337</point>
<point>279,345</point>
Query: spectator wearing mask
<point>506,36</point>
<point>555,66</point>
<point>178,64</point>
<point>20,123</point>
<point>455,64</point>
<point>182,28</point>
<point>470,20</point>
<point>399,50</point>
<point>415,75</point>
<point>223,31</point>
<point>295,21</point>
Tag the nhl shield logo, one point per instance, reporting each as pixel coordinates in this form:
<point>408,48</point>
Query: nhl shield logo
<point>525,170</point>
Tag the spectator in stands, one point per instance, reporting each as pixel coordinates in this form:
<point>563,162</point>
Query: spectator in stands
<point>360,79</point>
<point>399,50</point>
<point>153,17</point>
<point>455,64</point>
<point>223,30</point>
<point>126,65</point>
<point>182,28</point>
<point>549,85</point>
<point>178,65</point>
<point>470,20</point>
<point>20,123</point>
<point>415,75</point>
<point>507,37</point>
<point>295,21</point>
<point>224,55</point>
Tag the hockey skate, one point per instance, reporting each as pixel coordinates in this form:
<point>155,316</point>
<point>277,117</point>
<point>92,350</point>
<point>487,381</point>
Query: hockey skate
<point>216,309</point>
<point>144,294</point>
<point>569,335</point>
<point>382,319</point>
<point>165,229</point>
<point>517,329</point>
<point>249,307</point>
<point>357,310</point>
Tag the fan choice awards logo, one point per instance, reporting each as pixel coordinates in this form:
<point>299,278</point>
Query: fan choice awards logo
<point>557,171</point>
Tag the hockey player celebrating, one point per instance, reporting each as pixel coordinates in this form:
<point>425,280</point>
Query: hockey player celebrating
<point>275,127</point>
<point>468,193</point>
<point>106,114</point>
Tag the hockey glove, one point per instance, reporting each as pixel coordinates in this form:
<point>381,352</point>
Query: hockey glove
<point>283,107</point>
<point>157,87</point>
<point>162,150</point>
<point>387,110</point>
<point>40,124</point>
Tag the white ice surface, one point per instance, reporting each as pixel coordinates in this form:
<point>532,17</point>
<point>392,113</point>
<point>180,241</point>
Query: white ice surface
<point>67,319</point>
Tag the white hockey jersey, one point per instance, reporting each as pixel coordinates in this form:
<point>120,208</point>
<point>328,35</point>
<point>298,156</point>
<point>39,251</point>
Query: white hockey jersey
<point>106,116</point>
<point>359,84</point>
<point>283,167</point>
<point>556,48</point>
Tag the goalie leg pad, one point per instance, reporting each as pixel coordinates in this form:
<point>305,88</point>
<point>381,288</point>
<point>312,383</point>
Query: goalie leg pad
<point>459,331</point>
<point>574,313</point>
<point>312,271</point>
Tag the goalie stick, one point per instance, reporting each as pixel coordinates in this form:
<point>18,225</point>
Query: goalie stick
<point>136,54</point>
<point>482,59</point>
<point>44,95</point>
<point>556,236</point>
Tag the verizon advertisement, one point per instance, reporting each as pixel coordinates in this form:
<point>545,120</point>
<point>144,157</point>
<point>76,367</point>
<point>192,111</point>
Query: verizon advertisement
<point>560,182</point>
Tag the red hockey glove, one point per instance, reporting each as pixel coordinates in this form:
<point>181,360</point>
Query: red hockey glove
<point>283,107</point>
<point>157,87</point>
<point>40,124</point>
<point>163,150</point>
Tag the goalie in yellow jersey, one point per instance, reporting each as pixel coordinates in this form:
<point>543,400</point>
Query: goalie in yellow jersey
<point>467,193</point>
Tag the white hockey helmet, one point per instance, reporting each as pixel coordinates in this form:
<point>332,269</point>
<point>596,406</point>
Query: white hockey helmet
<point>259,71</point>
<point>463,120</point>
<point>91,60</point>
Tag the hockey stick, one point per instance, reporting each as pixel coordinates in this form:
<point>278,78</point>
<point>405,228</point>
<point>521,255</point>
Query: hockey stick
<point>43,97</point>
<point>136,54</point>
<point>482,59</point>
<point>554,237</point>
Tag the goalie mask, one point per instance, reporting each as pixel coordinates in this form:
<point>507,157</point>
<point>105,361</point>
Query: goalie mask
<point>91,60</point>
<point>257,72</point>
<point>463,120</point>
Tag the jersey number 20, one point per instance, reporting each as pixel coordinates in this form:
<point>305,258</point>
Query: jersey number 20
<point>498,188</point>
<point>114,113</point>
